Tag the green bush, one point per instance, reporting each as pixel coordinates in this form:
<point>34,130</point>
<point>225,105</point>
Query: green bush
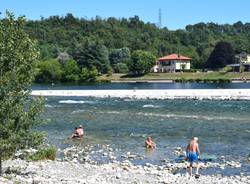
<point>49,71</point>
<point>71,71</point>
<point>121,68</point>
<point>89,75</point>
<point>45,153</point>
<point>109,71</point>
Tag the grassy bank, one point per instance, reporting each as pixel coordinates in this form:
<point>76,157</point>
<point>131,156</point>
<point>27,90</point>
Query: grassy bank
<point>178,77</point>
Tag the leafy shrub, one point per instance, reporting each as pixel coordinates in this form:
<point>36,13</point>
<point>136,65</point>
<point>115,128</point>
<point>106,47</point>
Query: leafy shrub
<point>121,68</point>
<point>49,71</point>
<point>45,153</point>
<point>89,74</point>
<point>71,71</point>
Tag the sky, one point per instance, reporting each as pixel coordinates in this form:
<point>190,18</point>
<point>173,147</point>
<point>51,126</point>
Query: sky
<point>176,14</point>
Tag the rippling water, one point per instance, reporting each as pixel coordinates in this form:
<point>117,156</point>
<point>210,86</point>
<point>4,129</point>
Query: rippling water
<point>223,127</point>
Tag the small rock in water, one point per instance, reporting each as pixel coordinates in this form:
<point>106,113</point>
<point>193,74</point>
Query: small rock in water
<point>105,154</point>
<point>131,156</point>
<point>125,168</point>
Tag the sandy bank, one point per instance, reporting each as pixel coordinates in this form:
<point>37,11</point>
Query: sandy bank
<point>211,94</point>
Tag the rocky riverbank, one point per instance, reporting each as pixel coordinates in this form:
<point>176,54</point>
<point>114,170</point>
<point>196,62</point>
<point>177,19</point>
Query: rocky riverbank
<point>46,172</point>
<point>78,167</point>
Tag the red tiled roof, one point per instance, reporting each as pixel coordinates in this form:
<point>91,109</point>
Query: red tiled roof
<point>174,57</point>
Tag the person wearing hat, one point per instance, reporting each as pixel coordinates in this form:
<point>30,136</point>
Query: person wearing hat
<point>80,131</point>
<point>193,155</point>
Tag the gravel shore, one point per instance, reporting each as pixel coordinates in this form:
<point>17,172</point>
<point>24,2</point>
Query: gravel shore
<point>198,94</point>
<point>67,172</point>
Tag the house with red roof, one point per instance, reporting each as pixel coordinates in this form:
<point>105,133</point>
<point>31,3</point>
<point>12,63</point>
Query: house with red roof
<point>172,63</point>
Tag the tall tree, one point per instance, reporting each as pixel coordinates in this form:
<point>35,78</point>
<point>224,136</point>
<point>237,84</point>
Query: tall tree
<point>92,54</point>
<point>18,112</point>
<point>119,56</point>
<point>141,62</point>
<point>222,55</point>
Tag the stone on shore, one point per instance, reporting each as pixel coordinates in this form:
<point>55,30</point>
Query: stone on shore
<point>47,172</point>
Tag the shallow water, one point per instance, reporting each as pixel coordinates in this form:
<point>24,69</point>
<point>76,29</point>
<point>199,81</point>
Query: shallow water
<point>223,127</point>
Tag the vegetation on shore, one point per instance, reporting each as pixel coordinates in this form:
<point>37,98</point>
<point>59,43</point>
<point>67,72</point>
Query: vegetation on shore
<point>19,112</point>
<point>44,153</point>
<point>180,77</point>
<point>78,49</point>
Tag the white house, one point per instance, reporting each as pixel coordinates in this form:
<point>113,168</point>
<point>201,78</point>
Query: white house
<point>242,60</point>
<point>172,63</point>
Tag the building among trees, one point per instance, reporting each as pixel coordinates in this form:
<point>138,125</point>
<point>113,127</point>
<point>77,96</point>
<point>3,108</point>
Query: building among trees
<point>172,63</point>
<point>242,63</point>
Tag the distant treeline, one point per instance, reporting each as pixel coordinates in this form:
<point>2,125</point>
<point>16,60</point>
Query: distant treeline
<point>107,45</point>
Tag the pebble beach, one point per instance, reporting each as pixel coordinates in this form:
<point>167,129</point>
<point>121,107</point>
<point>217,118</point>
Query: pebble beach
<point>78,167</point>
<point>198,94</point>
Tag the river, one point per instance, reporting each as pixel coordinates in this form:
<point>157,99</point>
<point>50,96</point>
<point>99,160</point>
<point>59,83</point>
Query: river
<point>223,127</point>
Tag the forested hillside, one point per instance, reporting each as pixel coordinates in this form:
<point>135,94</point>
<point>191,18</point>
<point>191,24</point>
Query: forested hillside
<point>107,44</point>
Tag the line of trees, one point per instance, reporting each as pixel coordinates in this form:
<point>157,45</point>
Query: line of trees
<point>107,45</point>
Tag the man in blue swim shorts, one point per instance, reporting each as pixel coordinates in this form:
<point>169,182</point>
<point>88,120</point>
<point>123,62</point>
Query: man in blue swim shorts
<point>193,155</point>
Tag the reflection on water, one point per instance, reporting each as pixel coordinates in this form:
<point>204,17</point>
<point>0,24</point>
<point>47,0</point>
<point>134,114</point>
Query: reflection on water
<point>145,86</point>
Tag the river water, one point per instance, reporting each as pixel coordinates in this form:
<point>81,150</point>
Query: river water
<point>223,127</point>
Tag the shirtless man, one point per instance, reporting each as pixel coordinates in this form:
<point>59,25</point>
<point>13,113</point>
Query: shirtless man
<point>149,143</point>
<point>78,133</point>
<point>193,155</point>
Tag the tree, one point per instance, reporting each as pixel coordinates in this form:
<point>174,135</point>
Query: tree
<point>141,62</point>
<point>64,32</point>
<point>63,57</point>
<point>119,56</point>
<point>222,55</point>
<point>121,68</point>
<point>89,75</point>
<point>71,71</point>
<point>49,71</point>
<point>18,111</point>
<point>92,54</point>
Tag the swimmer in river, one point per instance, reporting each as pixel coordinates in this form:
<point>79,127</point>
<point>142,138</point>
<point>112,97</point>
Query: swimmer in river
<point>149,143</point>
<point>78,133</point>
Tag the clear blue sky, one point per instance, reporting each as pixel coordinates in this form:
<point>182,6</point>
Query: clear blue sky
<point>175,13</point>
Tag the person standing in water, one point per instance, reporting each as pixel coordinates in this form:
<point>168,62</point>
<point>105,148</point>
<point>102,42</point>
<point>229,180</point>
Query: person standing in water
<point>193,155</point>
<point>149,143</point>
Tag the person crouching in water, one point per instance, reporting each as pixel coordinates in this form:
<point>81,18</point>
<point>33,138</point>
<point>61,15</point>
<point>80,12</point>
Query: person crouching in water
<point>193,155</point>
<point>78,133</point>
<point>149,143</point>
